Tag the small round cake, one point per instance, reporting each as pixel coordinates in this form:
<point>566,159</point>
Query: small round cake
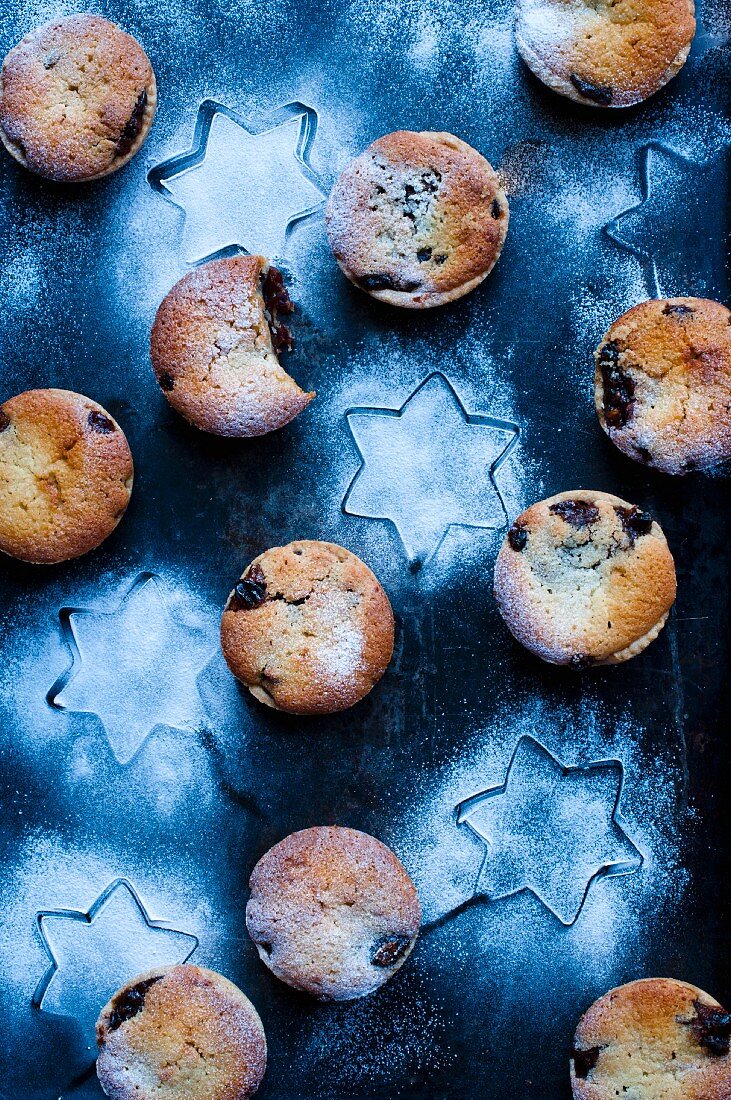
<point>607,54</point>
<point>332,912</point>
<point>180,1033</point>
<point>65,475</point>
<point>308,628</point>
<point>215,345</point>
<point>418,219</point>
<point>585,578</point>
<point>655,1039</point>
<point>663,384</point>
<point>77,99</point>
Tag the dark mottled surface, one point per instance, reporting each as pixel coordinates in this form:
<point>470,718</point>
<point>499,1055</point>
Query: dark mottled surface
<point>82,273</point>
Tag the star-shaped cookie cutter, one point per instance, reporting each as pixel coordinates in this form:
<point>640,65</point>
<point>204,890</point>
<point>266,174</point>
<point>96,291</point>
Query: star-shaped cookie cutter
<point>428,466</point>
<point>550,829</point>
<point>671,230</point>
<point>241,188</point>
<point>100,949</point>
<point>134,665</point>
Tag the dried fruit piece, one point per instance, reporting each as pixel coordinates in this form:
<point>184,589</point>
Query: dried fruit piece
<point>619,388</point>
<point>677,309</point>
<point>385,282</point>
<point>282,339</point>
<point>415,197</point>
<point>634,521</point>
<point>585,1061</point>
<point>579,513</point>
<point>250,592</point>
<point>423,255</point>
<point>132,126</point>
<point>712,1028</point>
<point>388,952</point>
<point>129,1003</point>
<point>517,537</point>
<point>276,301</point>
<point>276,298</point>
<point>495,209</point>
<point>166,381</point>
<point>597,93</point>
<point>98,422</point>
<point>4,420</point>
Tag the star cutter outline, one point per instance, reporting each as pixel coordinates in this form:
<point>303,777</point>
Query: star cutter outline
<point>175,166</point>
<point>613,229</point>
<point>77,664</point>
<point>611,868</point>
<point>87,918</point>
<point>418,559</point>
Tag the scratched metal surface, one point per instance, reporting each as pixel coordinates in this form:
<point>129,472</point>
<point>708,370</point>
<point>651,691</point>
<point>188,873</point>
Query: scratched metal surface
<point>139,786</point>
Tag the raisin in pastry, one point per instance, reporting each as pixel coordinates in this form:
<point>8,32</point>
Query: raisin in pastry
<point>607,54</point>
<point>215,348</point>
<point>65,475</point>
<point>77,99</point>
<point>332,912</point>
<point>663,384</point>
<point>654,1039</point>
<point>585,578</point>
<point>418,219</point>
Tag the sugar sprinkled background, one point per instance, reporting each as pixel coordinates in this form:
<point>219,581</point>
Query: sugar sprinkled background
<point>81,275</point>
<point>445,861</point>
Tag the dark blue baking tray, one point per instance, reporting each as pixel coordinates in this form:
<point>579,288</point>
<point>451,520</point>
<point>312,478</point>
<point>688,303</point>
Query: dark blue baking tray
<point>566,832</point>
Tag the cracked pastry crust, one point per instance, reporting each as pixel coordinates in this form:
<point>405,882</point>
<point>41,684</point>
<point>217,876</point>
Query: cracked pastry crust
<point>180,1033</point>
<point>663,384</point>
<point>308,628</point>
<point>610,53</point>
<point>214,348</point>
<point>65,475</point>
<point>332,912</point>
<point>77,99</point>
<point>418,219</point>
<point>654,1039</point>
<point>584,578</point>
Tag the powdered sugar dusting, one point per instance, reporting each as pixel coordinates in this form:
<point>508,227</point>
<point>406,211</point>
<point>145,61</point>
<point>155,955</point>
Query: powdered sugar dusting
<point>430,33</point>
<point>394,1035</point>
<point>21,278</point>
<point>169,765</point>
<point>353,384</point>
<point>48,875</point>
<point>548,26</point>
<point>445,859</point>
<point>519,349</point>
<point>594,309</point>
<point>339,649</point>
